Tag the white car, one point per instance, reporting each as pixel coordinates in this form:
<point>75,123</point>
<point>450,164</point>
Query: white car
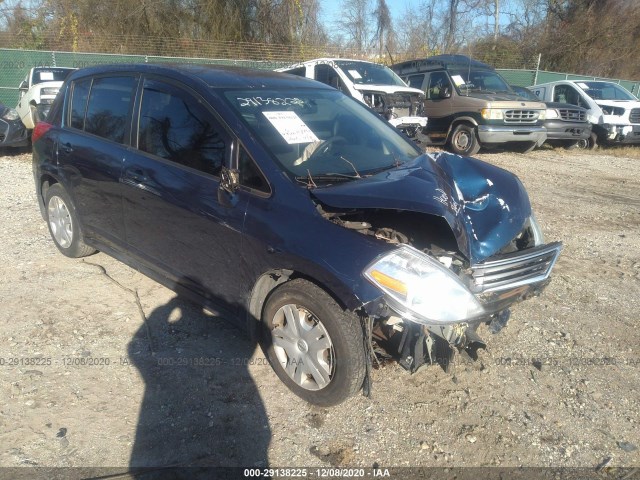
<point>372,84</point>
<point>613,111</point>
<point>37,92</point>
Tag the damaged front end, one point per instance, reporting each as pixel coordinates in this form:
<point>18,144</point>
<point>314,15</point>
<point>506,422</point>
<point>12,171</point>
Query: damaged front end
<point>464,253</point>
<point>402,109</point>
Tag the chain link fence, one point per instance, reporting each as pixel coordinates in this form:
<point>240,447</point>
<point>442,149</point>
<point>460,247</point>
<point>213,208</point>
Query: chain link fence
<point>16,63</point>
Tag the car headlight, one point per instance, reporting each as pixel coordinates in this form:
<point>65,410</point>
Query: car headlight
<point>542,115</point>
<point>10,114</point>
<point>50,91</point>
<point>551,113</point>
<point>492,114</point>
<point>421,288</point>
<point>538,236</point>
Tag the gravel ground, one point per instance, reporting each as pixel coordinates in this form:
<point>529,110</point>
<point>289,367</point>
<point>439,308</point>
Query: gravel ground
<point>85,382</point>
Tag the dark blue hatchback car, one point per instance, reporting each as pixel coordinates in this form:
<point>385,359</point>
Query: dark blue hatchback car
<point>292,207</point>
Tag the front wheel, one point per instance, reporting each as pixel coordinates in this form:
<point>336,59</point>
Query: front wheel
<point>314,346</point>
<point>590,143</point>
<point>63,223</point>
<point>463,140</point>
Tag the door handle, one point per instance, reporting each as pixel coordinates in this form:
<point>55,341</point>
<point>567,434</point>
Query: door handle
<point>67,148</point>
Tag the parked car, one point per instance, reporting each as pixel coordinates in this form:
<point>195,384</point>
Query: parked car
<point>566,124</point>
<point>613,111</point>
<point>296,209</point>
<point>470,105</point>
<point>37,92</point>
<point>372,84</point>
<point>12,131</point>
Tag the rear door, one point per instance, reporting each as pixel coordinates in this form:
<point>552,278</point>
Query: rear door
<point>173,218</point>
<point>92,148</point>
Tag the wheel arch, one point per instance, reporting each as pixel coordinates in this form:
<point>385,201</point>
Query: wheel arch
<point>470,121</point>
<point>272,279</point>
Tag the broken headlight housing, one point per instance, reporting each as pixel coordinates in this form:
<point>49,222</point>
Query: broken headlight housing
<point>421,289</point>
<point>10,114</point>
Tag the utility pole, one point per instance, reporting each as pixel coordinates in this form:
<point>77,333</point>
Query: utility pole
<point>496,26</point>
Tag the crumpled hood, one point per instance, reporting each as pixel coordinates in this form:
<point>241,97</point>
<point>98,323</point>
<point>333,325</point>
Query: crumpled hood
<point>485,206</point>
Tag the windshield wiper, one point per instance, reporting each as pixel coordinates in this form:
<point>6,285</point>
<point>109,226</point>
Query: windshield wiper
<point>325,177</point>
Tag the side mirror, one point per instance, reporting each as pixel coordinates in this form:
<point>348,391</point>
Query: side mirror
<point>23,86</point>
<point>445,92</point>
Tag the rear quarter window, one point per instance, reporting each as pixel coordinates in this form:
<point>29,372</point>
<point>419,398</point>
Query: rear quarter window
<point>109,106</point>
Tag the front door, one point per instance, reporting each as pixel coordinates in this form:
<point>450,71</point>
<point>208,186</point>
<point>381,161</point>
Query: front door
<point>174,221</point>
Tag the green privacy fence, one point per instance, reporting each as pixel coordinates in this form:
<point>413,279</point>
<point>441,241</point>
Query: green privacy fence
<point>15,64</point>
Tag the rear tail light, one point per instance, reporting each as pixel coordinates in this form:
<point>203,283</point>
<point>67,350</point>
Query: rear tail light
<point>40,129</point>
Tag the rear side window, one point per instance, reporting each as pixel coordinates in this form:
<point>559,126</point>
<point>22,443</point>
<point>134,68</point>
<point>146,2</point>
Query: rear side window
<point>176,126</point>
<point>79,96</point>
<point>109,105</point>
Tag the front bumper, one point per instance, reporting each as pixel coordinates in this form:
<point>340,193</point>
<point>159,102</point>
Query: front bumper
<point>504,134</point>
<point>624,134</point>
<point>409,122</point>
<point>561,130</point>
<point>13,134</point>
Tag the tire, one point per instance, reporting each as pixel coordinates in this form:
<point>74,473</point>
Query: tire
<point>327,371</point>
<point>463,140</point>
<point>590,143</point>
<point>63,224</point>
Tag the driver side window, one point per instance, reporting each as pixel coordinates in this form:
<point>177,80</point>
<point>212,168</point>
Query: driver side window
<point>567,94</point>
<point>438,81</point>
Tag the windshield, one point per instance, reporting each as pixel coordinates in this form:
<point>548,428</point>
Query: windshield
<point>605,91</point>
<point>525,93</point>
<point>478,81</point>
<point>321,133</point>
<point>46,74</point>
<point>366,73</point>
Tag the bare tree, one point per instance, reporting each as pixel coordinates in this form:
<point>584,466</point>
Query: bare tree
<point>355,25</point>
<point>384,27</point>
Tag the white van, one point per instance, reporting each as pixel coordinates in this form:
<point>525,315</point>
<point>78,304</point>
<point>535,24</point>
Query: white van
<point>613,111</point>
<point>372,84</point>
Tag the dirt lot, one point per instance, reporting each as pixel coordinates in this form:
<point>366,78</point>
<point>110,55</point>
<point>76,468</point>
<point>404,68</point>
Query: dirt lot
<point>84,382</point>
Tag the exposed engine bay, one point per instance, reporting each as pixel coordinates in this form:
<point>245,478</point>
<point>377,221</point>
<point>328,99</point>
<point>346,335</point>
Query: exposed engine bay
<point>411,343</point>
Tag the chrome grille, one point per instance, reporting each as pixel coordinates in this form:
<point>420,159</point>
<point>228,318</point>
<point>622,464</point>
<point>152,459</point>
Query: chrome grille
<point>521,116</point>
<point>634,116</point>
<point>515,269</point>
<point>572,115</point>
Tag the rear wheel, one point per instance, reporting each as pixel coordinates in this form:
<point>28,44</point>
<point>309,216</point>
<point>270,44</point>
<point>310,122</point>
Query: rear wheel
<point>463,140</point>
<point>314,346</point>
<point>63,223</point>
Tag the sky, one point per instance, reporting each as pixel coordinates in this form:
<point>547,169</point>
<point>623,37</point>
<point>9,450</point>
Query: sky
<point>331,10</point>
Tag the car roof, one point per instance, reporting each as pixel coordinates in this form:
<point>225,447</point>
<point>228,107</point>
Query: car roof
<point>573,82</point>
<point>214,76</point>
<point>445,61</point>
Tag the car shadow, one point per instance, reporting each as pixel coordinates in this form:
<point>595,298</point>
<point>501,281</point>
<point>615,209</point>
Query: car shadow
<point>201,407</point>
